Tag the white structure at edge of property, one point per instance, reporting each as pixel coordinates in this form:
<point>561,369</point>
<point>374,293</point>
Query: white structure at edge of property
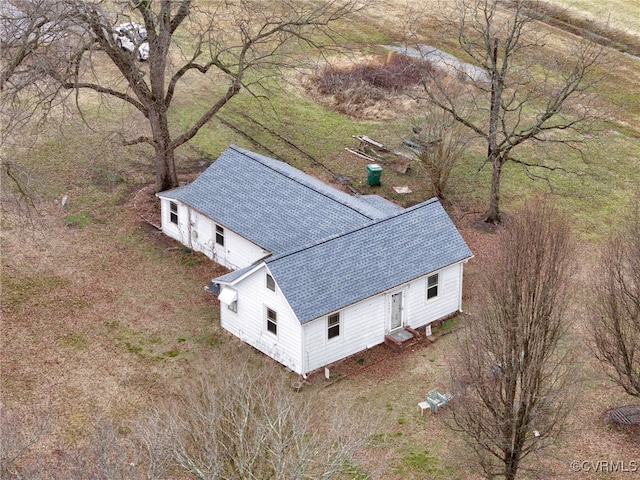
<point>319,274</point>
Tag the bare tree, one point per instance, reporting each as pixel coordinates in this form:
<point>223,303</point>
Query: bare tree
<point>616,305</point>
<point>223,45</point>
<point>248,423</point>
<point>438,143</point>
<point>520,93</point>
<point>28,30</point>
<point>27,35</point>
<point>18,194</point>
<point>102,451</point>
<point>509,373</point>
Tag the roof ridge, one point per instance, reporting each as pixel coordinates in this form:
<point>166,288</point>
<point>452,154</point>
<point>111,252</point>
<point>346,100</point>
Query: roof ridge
<point>248,154</point>
<point>348,232</point>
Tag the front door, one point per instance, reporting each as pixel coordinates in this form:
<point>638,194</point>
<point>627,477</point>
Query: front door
<point>396,310</point>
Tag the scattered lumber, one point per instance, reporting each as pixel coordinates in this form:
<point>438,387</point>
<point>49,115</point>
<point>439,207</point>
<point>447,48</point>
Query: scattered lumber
<point>362,155</point>
<point>374,151</point>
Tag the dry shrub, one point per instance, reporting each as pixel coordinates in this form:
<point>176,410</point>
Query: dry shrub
<point>357,87</point>
<point>615,309</point>
<point>247,422</point>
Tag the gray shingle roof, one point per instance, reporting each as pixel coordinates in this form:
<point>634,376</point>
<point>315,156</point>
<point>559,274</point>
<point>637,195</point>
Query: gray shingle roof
<point>233,276</point>
<point>383,205</point>
<point>369,260</point>
<point>273,204</point>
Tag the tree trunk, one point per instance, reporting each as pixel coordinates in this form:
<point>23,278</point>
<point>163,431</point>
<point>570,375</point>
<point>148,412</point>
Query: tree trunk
<point>166,176</point>
<point>493,152</point>
<point>493,214</point>
<point>511,469</point>
<point>512,460</point>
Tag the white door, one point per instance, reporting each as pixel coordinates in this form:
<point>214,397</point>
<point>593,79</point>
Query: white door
<point>396,310</point>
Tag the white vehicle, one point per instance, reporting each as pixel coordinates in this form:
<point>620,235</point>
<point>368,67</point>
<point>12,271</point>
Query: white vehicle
<point>132,37</point>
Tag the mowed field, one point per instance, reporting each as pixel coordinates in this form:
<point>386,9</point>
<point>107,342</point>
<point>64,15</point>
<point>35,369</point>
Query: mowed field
<point>621,14</point>
<point>103,317</point>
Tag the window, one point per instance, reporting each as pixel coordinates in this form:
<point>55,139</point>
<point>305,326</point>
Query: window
<point>272,321</point>
<point>271,283</point>
<point>432,286</point>
<point>333,326</point>
<point>233,306</point>
<point>173,212</point>
<point>220,235</point>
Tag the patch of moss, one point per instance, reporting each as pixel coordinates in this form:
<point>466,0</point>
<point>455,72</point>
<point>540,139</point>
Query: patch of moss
<point>18,291</point>
<point>73,340</point>
<point>355,472</point>
<point>79,220</point>
<point>211,339</point>
<point>190,259</point>
<point>421,462</point>
<point>137,349</point>
<point>378,439</point>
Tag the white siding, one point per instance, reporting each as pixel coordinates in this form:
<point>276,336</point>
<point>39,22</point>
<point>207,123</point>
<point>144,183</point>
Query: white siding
<point>238,252</point>
<point>361,327</point>
<point>202,234</point>
<point>365,324</point>
<point>250,324</point>
<point>421,311</point>
<point>178,232</point>
<point>198,232</point>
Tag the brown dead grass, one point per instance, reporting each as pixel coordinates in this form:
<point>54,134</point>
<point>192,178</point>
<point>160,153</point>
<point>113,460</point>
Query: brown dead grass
<point>89,316</point>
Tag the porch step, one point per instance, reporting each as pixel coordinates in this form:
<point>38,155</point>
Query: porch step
<point>401,339</point>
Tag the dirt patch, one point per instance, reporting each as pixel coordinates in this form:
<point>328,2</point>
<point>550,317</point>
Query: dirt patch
<point>383,357</point>
<point>147,206</point>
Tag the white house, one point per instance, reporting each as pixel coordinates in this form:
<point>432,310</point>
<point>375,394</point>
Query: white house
<point>321,274</point>
<point>246,206</point>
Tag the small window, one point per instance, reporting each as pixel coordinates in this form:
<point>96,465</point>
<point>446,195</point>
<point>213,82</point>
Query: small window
<point>333,325</point>
<point>220,235</point>
<point>233,306</point>
<point>432,286</point>
<point>173,212</point>
<point>272,321</point>
<point>271,283</point>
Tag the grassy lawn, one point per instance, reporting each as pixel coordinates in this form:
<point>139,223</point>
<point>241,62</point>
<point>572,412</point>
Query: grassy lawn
<point>622,14</point>
<point>101,313</point>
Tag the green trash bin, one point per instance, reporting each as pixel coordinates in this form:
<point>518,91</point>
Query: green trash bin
<point>374,171</point>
